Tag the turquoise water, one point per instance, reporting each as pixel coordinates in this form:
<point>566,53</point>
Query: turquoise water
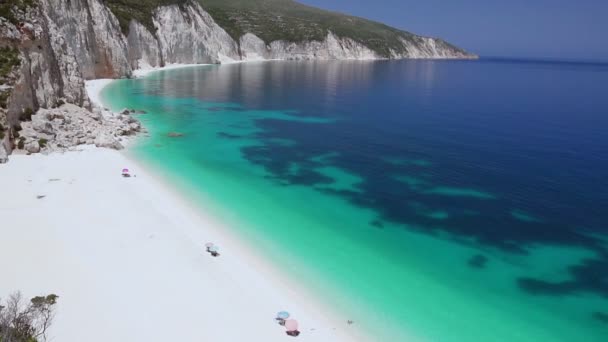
<point>418,199</point>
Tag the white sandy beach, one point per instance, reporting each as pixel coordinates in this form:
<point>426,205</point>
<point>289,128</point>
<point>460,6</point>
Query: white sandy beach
<point>126,257</point>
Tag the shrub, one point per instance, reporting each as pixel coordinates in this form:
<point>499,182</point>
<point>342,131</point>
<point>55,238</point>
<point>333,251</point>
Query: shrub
<point>21,143</point>
<point>20,322</point>
<point>42,142</point>
<point>6,8</point>
<point>9,58</point>
<point>26,115</point>
<point>4,98</point>
<point>1,132</point>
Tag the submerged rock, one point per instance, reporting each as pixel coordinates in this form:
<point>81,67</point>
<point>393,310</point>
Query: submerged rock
<point>175,134</point>
<point>601,316</point>
<point>478,261</point>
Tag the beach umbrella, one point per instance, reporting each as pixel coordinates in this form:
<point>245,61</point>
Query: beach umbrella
<point>283,315</point>
<point>291,325</point>
<point>213,248</point>
<point>209,244</point>
<point>125,170</point>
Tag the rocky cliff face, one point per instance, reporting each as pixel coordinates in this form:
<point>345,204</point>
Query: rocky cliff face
<point>188,34</point>
<point>253,48</point>
<point>62,43</point>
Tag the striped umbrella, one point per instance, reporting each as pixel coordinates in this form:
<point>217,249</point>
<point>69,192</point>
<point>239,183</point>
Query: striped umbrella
<point>209,244</point>
<point>214,248</point>
<point>125,170</point>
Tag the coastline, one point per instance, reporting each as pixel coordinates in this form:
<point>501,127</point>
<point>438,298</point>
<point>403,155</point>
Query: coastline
<point>129,253</point>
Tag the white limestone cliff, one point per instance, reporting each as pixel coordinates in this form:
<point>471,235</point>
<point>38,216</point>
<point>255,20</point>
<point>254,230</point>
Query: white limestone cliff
<point>189,35</point>
<point>143,48</point>
<point>253,48</point>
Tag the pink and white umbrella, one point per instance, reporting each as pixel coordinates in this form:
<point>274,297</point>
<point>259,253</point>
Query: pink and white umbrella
<point>125,170</point>
<point>291,325</point>
<point>209,244</point>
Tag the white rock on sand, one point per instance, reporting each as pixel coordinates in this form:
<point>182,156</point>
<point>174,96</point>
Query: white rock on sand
<point>126,257</point>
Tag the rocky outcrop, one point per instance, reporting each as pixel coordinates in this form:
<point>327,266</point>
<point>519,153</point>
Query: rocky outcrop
<point>143,47</point>
<point>87,31</point>
<point>254,48</point>
<point>187,34</point>
<point>62,43</point>
<point>65,127</point>
<point>424,47</point>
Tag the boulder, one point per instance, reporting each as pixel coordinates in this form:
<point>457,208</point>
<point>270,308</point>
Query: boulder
<point>96,114</point>
<point>32,146</point>
<point>108,141</point>
<point>135,126</point>
<point>43,127</point>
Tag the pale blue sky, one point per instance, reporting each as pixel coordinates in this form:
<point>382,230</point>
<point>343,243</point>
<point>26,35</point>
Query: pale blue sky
<point>566,29</point>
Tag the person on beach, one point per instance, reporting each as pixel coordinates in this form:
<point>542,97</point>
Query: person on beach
<point>281,317</point>
<point>213,249</point>
<point>291,325</point>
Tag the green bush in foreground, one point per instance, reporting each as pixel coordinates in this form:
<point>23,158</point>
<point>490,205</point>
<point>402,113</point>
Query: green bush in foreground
<point>21,322</point>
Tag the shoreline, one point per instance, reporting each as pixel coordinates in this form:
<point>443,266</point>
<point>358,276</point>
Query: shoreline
<point>130,253</point>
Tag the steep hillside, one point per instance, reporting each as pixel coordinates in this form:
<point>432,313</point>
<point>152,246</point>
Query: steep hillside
<point>294,22</point>
<point>282,20</point>
<point>139,10</point>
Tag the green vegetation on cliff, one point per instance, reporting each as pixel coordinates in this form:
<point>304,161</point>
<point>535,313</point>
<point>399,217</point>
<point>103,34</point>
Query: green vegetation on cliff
<point>291,21</point>
<point>9,58</point>
<point>7,7</point>
<point>276,20</point>
<point>140,10</point>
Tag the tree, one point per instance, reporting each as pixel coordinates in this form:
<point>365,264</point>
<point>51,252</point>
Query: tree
<point>20,322</point>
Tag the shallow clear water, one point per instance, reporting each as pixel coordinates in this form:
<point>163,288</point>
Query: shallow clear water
<point>435,201</point>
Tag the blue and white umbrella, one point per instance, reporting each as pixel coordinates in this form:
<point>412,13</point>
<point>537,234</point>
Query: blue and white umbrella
<point>283,315</point>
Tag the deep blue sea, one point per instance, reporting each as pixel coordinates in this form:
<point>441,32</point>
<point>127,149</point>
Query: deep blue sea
<point>435,200</point>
